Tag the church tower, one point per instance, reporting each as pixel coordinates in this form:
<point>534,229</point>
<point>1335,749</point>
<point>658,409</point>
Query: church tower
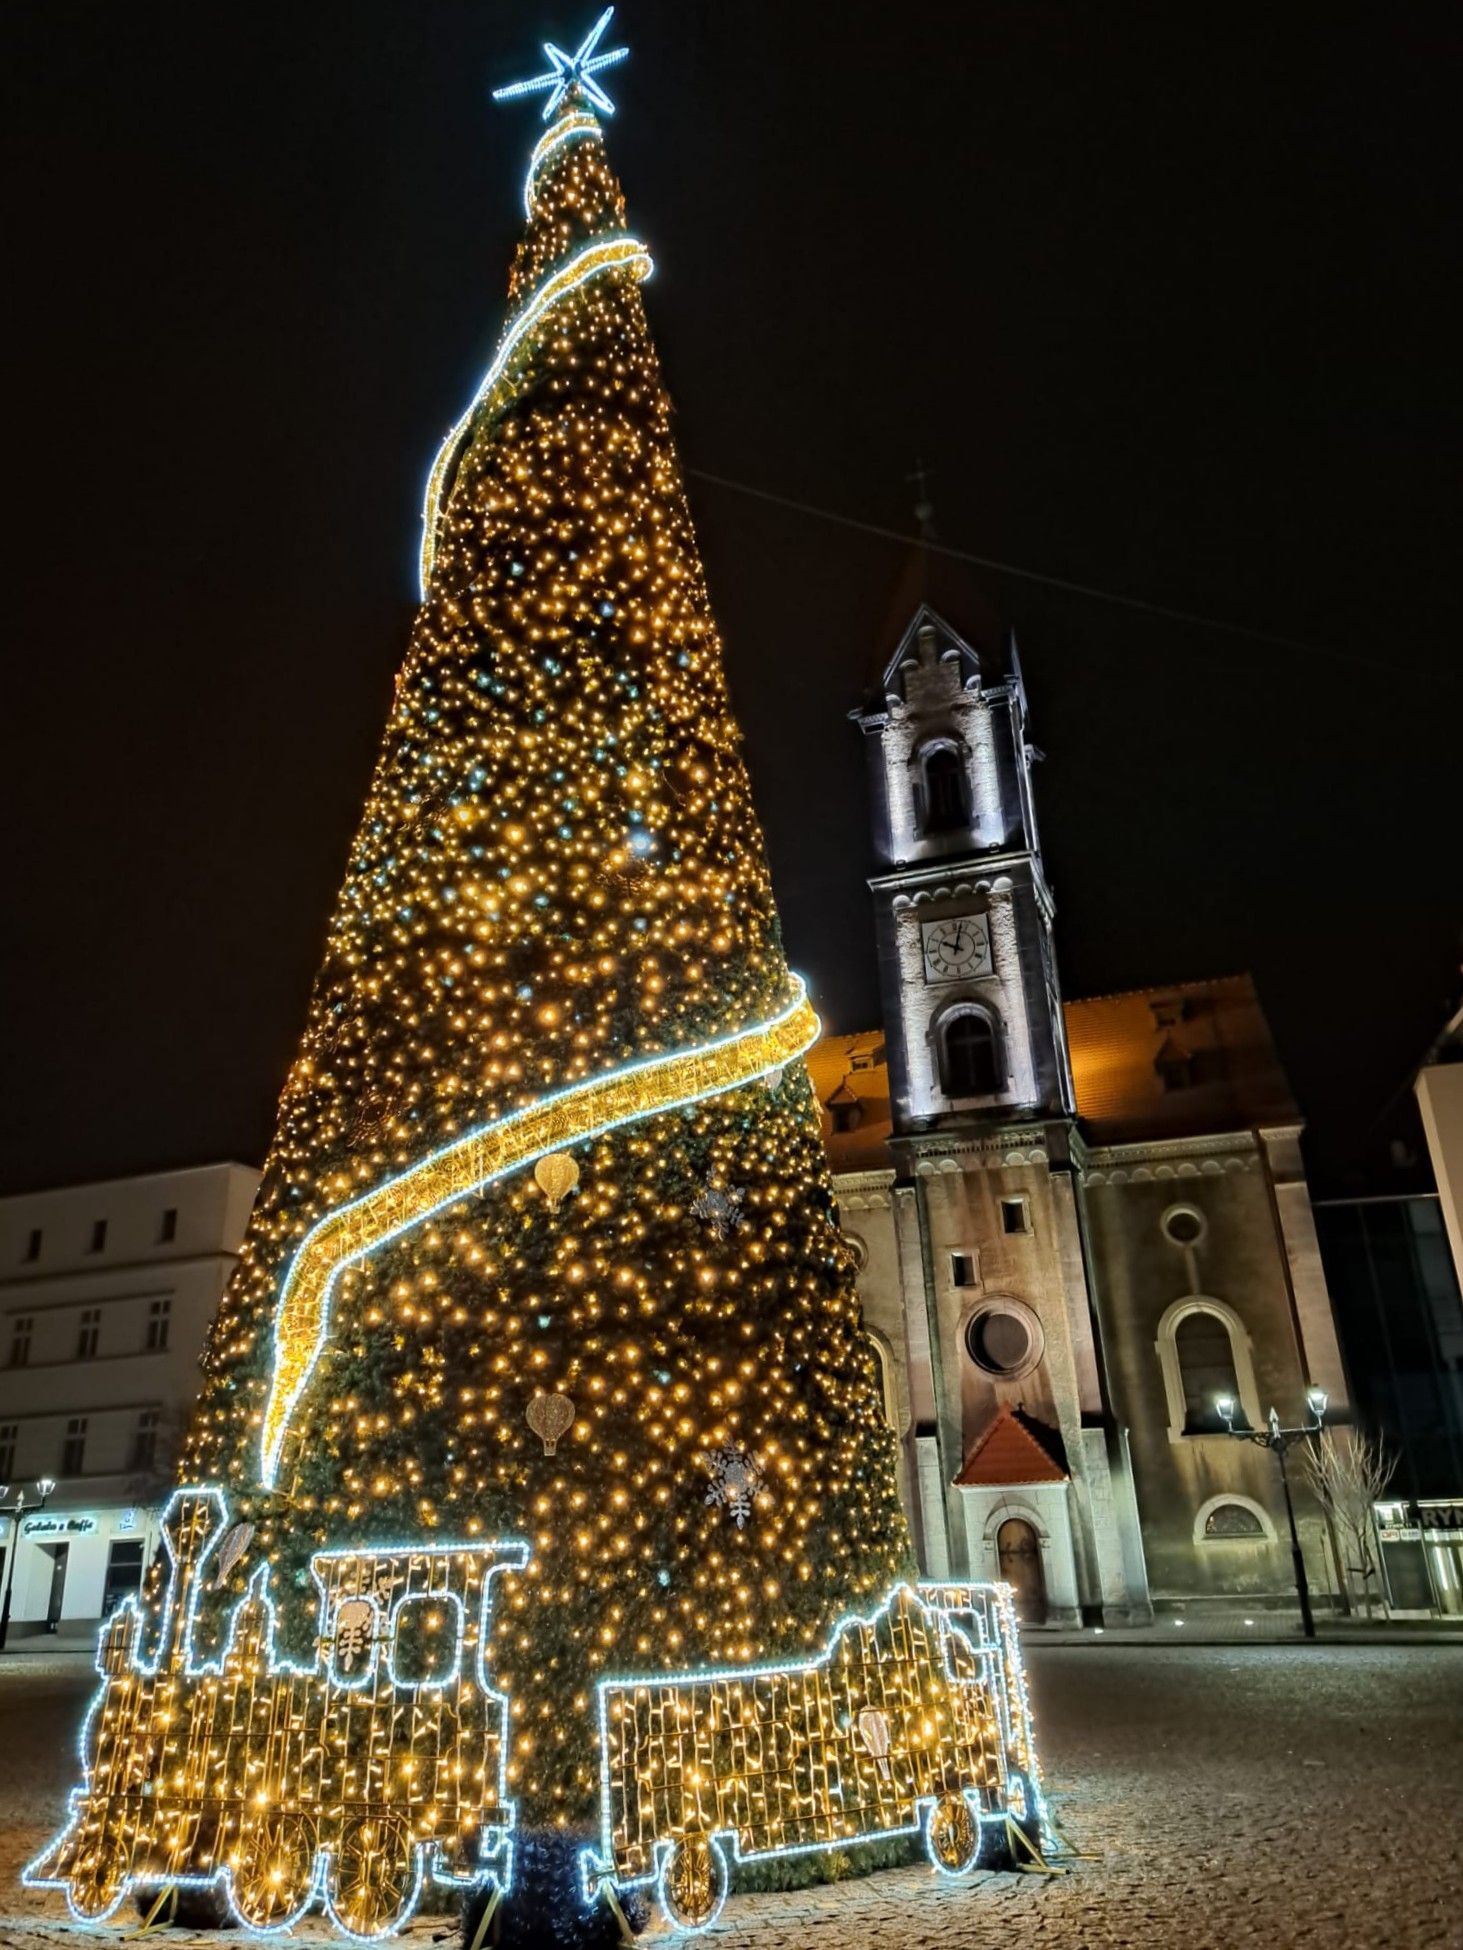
<point>963,911</point>
<point>1014,1466</point>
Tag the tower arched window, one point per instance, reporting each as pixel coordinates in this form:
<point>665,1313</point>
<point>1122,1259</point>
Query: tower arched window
<point>946,800</point>
<point>1207,1370</point>
<point>970,1064</point>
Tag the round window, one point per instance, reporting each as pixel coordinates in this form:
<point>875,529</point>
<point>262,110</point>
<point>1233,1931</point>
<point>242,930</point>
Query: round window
<point>1003,1340</point>
<point>1183,1225</point>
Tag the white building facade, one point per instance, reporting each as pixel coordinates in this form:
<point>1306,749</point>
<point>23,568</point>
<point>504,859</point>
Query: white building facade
<point>107,1292</point>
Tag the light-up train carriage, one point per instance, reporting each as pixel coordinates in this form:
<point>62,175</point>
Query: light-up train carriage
<point>914,1717</point>
<point>355,1777</point>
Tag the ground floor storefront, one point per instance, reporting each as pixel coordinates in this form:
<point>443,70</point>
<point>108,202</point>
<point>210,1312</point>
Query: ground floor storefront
<point>67,1569</point>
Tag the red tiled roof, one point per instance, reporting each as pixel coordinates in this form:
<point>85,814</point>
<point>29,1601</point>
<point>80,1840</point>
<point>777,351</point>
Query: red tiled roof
<point>1010,1451</point>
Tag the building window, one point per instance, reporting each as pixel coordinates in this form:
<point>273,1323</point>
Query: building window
<point>168,1230</point>
<point>144,1439</point>
<point>1004,1339</point>
<point>968,1058</point>
<point>1233,1519</point>
<point>1207,1370</point>
<point>159,1316</point>
<point>124,1573</point>
<point>88,1333</point>
<point>1184,1225</point>
<point>964,1269</point>
<point>946,806</point>
<point>8,1433</point>
<point>73,1449</point>
<point>1015,1215</point>
<point>33,1244</point>
<point>20,1332</point>
<point>98,1235</point>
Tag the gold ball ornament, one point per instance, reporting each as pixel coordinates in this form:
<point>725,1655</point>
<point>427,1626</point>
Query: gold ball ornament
<point>557,1175</point>
<point>549,1416</point>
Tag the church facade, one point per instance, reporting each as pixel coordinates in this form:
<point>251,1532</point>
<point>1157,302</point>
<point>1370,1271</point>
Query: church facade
<point>1077,1223</point>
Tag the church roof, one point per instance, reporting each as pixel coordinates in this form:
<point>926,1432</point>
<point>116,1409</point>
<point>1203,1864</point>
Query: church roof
<point>851,1078</point>
<point>937,587</point>
<point>1013,1448</point>
<point>1180,1061</point>
<point>1176,1061</point>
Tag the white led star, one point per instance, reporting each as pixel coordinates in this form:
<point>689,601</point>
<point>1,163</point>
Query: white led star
<point>576,70</point>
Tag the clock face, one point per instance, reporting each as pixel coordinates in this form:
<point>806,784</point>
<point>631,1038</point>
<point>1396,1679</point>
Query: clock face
<point>957,948</point>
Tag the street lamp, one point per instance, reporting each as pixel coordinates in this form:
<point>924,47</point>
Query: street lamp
<point>1274,1438</point>
<point>45,1487</point>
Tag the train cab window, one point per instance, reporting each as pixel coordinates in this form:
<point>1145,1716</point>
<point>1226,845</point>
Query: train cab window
<point>353,1641</point>
<point>428,1640</point>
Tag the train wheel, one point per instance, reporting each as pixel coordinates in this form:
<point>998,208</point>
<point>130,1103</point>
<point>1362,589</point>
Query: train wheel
<point>373,1876</point>
<point>1025,1810</point>
<point>952,1835</point>
<point>694,1882</point>
<point>95,1890</point>
<point>275,1872</point>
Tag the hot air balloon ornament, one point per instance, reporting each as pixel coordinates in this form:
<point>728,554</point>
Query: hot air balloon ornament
<point>557,1175</point>
<point>873,1726</point>
<point>550,1416</point>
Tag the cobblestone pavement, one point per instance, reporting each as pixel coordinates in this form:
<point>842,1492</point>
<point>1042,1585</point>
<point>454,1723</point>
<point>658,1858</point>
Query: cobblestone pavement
<point>1276,1796</point>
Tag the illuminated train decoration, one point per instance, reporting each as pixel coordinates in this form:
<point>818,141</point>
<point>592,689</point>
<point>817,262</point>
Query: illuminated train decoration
<point>348,1780</point>
<point>915,1717</point>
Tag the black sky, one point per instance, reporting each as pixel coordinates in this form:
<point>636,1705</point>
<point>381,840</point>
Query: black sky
<point>1157,292</point>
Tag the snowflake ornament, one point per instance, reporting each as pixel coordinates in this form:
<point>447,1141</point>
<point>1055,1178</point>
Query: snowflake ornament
<point>737,1479</point>
<point>720,1210</point>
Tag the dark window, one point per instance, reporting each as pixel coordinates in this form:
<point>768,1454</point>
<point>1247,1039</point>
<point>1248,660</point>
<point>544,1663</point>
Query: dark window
<point>8,1432</point>
<point>124,1573</point>
<point>88,1333</point>
<point>98,1235</point>
<point>970,1056</point>
<point>159,1314</point>
<point>1232,1520</point>
<point>999,1341</point>
<point>962,1269</point>
<point>73,1449</point>
<point>33,1244</point>
<point>945,803</point>
<point>1014,1215</point>
<point>1206,1364</point>
<point>168,1230</point>
<point>144,1439</point>
<point>20,1333</point>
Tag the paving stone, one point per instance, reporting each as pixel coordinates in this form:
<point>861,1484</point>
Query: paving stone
<point>1305,1797</point>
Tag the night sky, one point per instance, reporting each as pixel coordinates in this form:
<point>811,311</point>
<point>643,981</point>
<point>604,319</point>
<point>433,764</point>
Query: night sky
<point>1157,293</point>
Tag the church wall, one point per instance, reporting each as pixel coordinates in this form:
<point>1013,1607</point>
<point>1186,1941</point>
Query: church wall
<point>1239,1262</point>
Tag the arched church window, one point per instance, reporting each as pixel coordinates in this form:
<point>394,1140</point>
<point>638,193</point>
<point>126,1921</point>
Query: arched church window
<point>947,808</point>
<point>970,1061</point>
<point>1207,1370</point>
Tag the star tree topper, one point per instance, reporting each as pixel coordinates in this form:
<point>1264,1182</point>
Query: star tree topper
<point>570,71</point>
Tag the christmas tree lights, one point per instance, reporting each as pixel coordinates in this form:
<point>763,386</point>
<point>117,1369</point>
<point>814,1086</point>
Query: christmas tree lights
<point>544,1285</point>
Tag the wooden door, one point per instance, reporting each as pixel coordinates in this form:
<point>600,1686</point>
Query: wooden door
<point>1019,1551</point>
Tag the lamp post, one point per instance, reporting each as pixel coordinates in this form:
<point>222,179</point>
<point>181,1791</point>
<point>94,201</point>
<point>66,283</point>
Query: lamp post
<point>45,1486</point>
<point>1278,1440</point>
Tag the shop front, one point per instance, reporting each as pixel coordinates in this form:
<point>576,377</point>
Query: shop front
<point>73,1567</point>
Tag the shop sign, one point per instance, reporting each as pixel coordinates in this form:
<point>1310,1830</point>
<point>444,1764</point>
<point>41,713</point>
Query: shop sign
<point>63,1525</point>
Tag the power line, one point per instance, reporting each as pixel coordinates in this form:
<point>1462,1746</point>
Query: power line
<point>1089,590</point>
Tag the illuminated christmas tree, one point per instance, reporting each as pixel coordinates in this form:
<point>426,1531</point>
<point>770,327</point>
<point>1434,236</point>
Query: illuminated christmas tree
<point>557,941</point>
<point>538,1528</point>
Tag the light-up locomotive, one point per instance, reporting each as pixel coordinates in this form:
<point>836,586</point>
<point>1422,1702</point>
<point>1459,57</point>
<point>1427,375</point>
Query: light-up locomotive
<point>915,1717</point>
<point>351,1779</point>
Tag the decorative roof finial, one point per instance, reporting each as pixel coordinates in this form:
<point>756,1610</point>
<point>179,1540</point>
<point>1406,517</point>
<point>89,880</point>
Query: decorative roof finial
<point>568,72</point>
<point>924,508</point>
